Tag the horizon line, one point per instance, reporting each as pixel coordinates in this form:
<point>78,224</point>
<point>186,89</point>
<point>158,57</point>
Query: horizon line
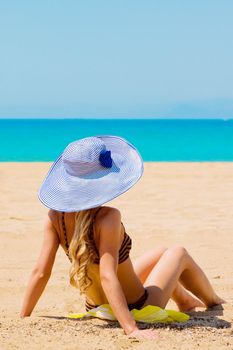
<point>118,118</point>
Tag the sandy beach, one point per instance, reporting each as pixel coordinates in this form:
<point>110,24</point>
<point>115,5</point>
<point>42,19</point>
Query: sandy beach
<point>189,204</point>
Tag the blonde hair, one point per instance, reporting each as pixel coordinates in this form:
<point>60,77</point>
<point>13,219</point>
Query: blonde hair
<point>82,250</point>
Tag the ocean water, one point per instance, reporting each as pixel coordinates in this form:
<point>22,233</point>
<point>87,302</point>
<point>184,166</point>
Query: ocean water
<point>156,139</point>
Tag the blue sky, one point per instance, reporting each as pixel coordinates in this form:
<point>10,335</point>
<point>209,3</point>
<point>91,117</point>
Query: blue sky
<point>125,58</point>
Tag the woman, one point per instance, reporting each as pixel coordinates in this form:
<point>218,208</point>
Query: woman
<point>89,173</point>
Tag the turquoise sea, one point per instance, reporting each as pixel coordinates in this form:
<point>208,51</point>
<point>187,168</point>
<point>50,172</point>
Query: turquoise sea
<point>156,139</point>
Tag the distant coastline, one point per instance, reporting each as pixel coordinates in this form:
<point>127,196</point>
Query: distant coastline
<point>116,118</point>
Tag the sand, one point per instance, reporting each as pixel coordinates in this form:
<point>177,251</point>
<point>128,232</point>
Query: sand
<point>189,204</point>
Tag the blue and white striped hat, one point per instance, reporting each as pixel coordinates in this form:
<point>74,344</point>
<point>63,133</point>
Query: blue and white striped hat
<point>91,172</point>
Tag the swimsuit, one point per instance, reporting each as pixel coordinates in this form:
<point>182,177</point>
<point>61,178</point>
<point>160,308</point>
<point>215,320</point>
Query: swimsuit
<point>124,249</point>
<point>136,305</point>
<point>122,256</point>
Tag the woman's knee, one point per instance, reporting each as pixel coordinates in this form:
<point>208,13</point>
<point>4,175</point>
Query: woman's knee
<point>155,254</point>
<point>179,251</point>
<point>161,250</point>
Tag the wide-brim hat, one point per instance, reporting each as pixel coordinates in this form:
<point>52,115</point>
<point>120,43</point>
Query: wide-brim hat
<point>91,172</point>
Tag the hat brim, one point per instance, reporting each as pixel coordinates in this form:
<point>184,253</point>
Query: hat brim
<point>63,192</point>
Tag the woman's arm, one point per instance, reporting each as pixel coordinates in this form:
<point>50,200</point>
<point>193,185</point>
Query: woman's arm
<point>109,242</point>
<point>42,270</point>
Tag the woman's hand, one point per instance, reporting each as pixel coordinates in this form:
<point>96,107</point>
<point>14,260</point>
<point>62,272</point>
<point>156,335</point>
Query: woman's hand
<point>143,334</point>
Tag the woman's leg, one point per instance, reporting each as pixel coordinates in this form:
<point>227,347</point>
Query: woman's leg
<point>184,300</point>
<point>177,265</point>
<point>146,263</point>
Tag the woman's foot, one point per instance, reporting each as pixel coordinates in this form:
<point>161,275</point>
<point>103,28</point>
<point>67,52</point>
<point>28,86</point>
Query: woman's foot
<point>190,304</point>
<point>216,304</point>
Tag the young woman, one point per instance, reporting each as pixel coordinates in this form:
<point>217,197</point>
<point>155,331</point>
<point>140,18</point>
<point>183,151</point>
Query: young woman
<point>89,173</point>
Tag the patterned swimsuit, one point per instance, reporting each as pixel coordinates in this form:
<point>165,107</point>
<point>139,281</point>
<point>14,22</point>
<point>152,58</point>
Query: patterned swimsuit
<point>123,256</point>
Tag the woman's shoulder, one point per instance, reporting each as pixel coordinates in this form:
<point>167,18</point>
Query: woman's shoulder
<point>107,223</point>
<point>107,218</point>
<point>108,214</point>
<point>53,217</point>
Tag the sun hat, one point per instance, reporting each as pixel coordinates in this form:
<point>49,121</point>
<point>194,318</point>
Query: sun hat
<point>90,172</point>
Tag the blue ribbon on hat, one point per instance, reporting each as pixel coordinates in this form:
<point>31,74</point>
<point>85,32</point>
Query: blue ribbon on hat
<point>105,159</point>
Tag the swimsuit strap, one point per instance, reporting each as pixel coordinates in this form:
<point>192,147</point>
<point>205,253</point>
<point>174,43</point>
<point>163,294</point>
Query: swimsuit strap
<point>65,234</point>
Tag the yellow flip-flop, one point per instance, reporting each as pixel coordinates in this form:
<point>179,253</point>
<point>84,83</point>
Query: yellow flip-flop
<point>148,314</point>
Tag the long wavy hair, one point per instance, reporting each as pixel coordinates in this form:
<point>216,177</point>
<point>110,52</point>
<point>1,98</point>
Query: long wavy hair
<point>82,250</point>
